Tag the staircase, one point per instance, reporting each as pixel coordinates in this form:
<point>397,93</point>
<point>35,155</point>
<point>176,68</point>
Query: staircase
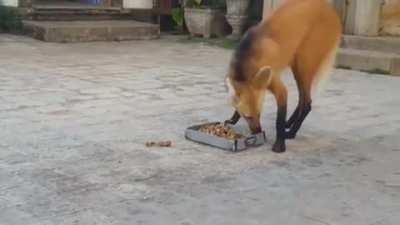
<point>371,54</point>
<point>86,23</point>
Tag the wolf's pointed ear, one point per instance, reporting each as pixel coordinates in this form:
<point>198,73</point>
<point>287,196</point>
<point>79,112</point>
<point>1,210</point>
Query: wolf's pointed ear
<point>263,77</point>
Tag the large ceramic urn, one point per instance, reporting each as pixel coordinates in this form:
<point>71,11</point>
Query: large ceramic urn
<point>237,15</point>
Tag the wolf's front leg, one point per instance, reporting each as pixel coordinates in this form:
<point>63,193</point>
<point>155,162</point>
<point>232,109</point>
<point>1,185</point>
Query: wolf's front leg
<point>234,119</point>
<point>280,145</point>
<point>278,88</point>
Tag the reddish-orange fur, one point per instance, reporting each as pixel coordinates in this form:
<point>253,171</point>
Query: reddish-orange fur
<point>301,34</point>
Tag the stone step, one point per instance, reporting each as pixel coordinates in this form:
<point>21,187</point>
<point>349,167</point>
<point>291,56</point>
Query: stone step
<point>83,31</point>
<point>71,16</point>
<point>72,13</point>
<point>369,61</point>
<point>382,44</point>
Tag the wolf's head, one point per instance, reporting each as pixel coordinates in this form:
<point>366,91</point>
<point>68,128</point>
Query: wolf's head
<point>247,97</point>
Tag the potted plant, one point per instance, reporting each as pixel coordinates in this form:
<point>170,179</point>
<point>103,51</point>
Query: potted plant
<point>205,18</point>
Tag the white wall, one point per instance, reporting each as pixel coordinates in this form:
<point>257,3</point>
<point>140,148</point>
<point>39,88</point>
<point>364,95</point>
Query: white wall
<point>363,17</point>
<point>9,3</point>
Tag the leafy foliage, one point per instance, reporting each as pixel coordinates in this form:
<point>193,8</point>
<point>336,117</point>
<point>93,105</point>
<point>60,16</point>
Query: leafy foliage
<point>214,4</point>
<point>178,16</point>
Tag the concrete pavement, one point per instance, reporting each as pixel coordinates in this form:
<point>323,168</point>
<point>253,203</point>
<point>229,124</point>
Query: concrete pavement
<point>74,119</point>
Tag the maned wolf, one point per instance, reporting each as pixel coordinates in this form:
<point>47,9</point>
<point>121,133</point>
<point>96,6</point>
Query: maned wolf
<point>301,34</point>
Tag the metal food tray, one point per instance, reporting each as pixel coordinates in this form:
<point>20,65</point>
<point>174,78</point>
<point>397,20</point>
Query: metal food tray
<point>237,145</point>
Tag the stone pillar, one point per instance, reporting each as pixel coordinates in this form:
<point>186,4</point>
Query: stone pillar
<point>237,15</point>
<point>363,17</point>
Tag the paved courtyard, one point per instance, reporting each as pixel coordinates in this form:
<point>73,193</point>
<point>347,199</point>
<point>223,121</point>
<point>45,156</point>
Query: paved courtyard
<point>75,117</point>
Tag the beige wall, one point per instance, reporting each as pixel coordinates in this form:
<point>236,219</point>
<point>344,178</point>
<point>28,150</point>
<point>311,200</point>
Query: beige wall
<point>9,2</point>
<point>390,18</point>
<point>363,17</point>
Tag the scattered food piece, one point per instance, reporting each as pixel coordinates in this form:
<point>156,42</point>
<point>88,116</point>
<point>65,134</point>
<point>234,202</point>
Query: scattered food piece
<point>221,131</point>
<point>158,144</point>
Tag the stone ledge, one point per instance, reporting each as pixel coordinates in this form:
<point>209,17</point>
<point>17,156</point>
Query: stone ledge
<point>83,31</point>
<point>369,61</point>
<point>382,44</point>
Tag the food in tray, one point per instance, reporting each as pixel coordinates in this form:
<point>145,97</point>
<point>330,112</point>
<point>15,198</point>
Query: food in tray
<point>221,131</point>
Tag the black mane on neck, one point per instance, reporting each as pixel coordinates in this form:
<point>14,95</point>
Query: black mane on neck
<point>241,56</point>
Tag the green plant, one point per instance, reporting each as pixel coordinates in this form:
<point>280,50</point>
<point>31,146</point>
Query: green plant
<point>178,16</point>
<point>213,4</point>
<point>10,20</point>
